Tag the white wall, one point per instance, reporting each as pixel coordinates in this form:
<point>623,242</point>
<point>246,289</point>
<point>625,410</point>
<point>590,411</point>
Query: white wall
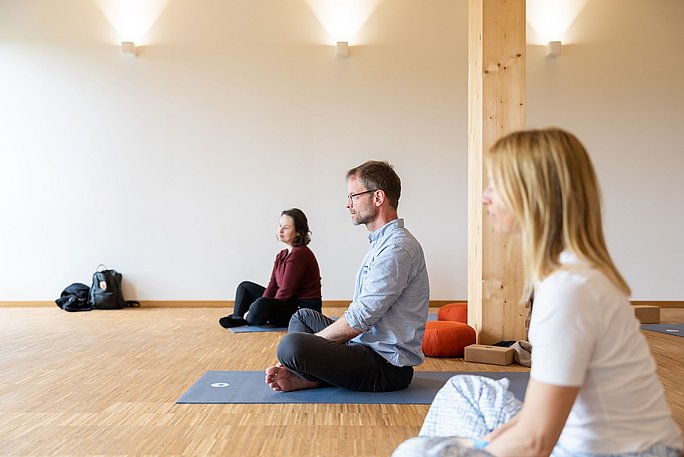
<point>619,85</point>
<point>173,167</point>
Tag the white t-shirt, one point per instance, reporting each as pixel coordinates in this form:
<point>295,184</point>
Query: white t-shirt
<point>584,334</point>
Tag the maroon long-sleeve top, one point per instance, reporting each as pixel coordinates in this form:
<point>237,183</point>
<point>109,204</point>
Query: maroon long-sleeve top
<point>295,275</point>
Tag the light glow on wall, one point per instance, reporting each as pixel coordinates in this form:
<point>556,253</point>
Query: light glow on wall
<point>132,19</point>
<point>551,19</point>
<point>343,19</point>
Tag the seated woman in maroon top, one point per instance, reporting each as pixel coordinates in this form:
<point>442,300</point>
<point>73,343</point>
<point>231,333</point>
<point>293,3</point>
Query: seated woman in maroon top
<point>295,281</point>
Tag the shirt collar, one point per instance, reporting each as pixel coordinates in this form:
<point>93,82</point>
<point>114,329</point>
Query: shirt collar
<point>388,227</point>
<point>567,257</point>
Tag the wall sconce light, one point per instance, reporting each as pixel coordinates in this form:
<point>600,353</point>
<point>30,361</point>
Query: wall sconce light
<point>129,49</point>
<point>553,48</point>
<point>342,49</point>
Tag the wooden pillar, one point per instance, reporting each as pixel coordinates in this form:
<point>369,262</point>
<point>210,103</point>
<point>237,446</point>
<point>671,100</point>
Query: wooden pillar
<point>496,106</point>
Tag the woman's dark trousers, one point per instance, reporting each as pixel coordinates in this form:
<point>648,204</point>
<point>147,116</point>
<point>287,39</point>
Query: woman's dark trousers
<point>263,310</point>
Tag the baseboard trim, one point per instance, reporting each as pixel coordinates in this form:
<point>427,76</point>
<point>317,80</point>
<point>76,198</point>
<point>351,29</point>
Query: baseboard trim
<point>229,303</point>
<point>26,304</point>
<point>193,303</point>
<point>659,304</point>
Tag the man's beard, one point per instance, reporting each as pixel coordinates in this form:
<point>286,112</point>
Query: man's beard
<point>364,218</point>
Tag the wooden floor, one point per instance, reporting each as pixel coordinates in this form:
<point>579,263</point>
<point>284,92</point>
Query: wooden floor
<point>106,382</point>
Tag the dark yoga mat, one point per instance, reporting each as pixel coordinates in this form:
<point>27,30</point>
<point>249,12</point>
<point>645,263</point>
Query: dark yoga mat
<point>249,387</point>
<point>670,329</point>
<point>270,328</point>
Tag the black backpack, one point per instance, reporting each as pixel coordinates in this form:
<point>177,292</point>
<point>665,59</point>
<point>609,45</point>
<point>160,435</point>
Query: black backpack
<point>106,291</point>
<point>74,298</point>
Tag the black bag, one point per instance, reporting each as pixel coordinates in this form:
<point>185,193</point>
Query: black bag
<point>74,298</point>
<point>106,293</point>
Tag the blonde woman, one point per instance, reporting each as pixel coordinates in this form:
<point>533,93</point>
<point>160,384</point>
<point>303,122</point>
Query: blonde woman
<point>593,389</point>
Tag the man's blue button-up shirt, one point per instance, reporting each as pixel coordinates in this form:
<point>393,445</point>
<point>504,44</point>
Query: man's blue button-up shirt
<point>391,296</point>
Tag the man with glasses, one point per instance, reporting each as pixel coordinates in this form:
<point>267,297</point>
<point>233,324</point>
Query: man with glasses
<point>376,343</point>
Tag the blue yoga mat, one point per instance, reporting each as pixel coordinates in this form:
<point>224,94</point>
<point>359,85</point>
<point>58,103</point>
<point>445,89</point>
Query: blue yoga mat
<point>271,328</point>
<point>257,328</point>
<point>249,387</point>
<point>670,329</point>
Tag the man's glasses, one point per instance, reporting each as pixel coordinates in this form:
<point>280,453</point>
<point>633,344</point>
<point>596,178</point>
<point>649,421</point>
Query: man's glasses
<point>351,197</point>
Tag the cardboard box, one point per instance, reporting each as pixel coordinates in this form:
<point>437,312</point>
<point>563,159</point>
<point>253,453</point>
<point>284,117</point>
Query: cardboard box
<point>495,355</point>
<point>647,314</point>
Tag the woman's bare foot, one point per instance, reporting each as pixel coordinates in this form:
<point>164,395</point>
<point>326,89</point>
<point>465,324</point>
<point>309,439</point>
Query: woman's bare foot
<point>280,379</point>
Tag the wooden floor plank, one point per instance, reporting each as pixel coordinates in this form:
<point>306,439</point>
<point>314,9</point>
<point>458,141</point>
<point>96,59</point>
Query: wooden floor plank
<point>106,382</point>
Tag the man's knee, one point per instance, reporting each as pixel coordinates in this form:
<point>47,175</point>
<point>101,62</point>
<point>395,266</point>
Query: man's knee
<point>305,314</point>
<point>292,346</point>
<point>301,321</point>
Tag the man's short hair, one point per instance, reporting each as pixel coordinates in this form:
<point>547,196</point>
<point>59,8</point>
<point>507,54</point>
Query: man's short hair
<point>376,174</point>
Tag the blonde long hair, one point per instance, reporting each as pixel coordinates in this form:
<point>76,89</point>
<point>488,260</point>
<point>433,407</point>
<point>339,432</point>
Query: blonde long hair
<point>547,180</point>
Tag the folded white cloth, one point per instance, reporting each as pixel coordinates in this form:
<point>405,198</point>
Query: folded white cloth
<point>470,407</point>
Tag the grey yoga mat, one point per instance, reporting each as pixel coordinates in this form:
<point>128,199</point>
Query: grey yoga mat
<point>271,328</point>
<point>249,387</point>
<point>669,329</point>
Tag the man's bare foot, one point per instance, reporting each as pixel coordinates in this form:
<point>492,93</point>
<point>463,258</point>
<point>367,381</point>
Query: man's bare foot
<point>280,379</point>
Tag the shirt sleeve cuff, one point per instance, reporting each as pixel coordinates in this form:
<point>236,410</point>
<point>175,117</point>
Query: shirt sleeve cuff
<point>354,322</point>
